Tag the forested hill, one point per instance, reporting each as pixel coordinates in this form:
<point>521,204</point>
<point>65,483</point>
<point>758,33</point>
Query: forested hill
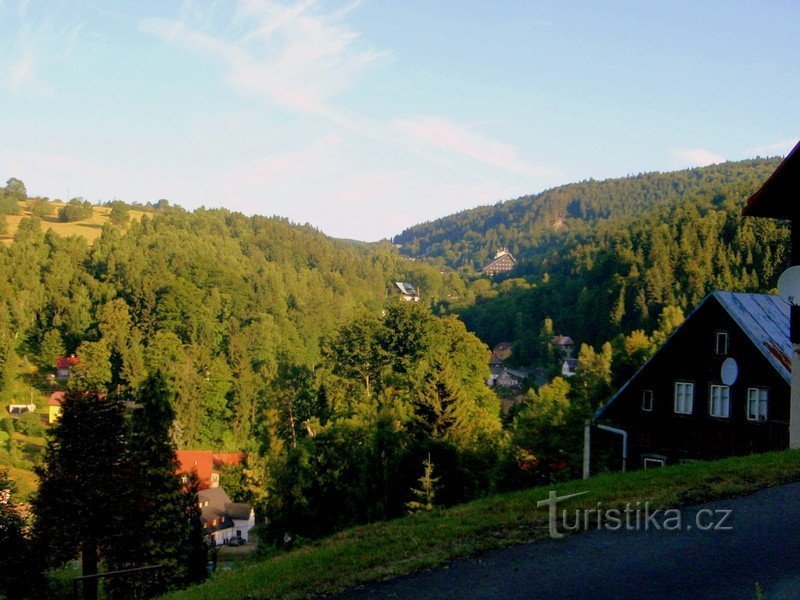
<point>217,301</point>
<point>470,238</point>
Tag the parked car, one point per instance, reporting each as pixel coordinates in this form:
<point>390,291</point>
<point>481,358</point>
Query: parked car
<point>237,541</point>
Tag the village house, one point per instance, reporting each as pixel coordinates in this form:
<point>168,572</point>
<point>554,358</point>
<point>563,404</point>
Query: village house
<point>500,353</point>
<point>502,262</point>
<point>408,292</point>
<point>17,410</point>
<point>222,519</point>
<point>563,344</point>
<point>719,386</point>
<point>64,365</point>
<point>507,378</point>
<point>206,464</point>
<point>569,368</point>
<point>54,406</point>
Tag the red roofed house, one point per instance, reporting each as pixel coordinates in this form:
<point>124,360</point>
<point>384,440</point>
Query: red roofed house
<point>63,366</point>
<point>206,464</point>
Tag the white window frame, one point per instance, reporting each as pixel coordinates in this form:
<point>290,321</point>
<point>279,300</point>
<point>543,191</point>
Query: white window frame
<point>684,397</point>
<point>647,400</point>
<point>650,463</point>
<point>719,401</point>
<point>721,335</point>
<point>761,412</point>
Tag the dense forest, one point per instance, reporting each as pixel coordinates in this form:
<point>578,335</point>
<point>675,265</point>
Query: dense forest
<point>532,225</point>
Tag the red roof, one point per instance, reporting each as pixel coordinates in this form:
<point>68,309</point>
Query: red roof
<point>778,197</point>
<point>199,461</point>
<point>562,340</point>
<point>203,462</point>
<point>66,362</point>
<point>56,398</point>
<point>227,458</point>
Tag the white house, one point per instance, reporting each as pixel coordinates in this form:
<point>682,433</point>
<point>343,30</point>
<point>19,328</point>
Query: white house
<point>222,519</point>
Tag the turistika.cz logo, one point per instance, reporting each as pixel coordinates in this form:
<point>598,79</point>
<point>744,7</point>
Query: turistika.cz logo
<point>635,516</point>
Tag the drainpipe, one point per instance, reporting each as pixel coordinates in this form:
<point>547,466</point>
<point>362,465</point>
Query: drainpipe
<point>587,448</point>
<point>624,435</point>
<point>794,337</point>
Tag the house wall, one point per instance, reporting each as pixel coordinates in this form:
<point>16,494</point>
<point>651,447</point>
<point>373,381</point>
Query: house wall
<point>690,356</point>
<point>244,526</point>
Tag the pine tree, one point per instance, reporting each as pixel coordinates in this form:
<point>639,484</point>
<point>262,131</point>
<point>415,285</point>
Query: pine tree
<point>426,493</point>
<point>83,503</point>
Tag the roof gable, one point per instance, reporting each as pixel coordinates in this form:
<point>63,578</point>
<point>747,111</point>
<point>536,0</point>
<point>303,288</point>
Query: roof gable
<point>763,318</point>
<point>777,197</point>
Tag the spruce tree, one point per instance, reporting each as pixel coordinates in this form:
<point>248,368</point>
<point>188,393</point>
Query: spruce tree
<point>163,532</point>
<point>83,502</point>
<point>426,493</point>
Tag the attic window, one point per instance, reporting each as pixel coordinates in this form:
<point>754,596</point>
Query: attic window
<point>647,400</point>
<point>722,342</point>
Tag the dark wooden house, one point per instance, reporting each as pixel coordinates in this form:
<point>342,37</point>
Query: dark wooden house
<point>719,386</point>
<point>502,262</point>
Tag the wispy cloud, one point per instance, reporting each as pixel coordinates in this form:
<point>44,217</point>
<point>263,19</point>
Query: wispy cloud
<point>35,46</point>
<point>774,149</point>
<point>696,157</point>
<point>296,56</point>
<point>446,135</point>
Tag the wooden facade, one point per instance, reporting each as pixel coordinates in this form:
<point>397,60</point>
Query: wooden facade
<point>652,407</point>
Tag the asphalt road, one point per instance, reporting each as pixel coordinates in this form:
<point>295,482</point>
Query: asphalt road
<point>763,545</point>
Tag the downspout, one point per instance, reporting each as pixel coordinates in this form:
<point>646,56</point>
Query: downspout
<point>587,449</point>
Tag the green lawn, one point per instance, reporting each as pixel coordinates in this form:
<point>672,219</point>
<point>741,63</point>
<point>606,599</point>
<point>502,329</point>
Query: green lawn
<point>382,550</point>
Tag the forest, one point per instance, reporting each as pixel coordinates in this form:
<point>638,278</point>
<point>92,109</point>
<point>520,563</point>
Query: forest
<point>255,334</point>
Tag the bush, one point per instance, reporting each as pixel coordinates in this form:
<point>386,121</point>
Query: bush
<point>40,207</point>
<point>76,210</point>
<point>9,205</point>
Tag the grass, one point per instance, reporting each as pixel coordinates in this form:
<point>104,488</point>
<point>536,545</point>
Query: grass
<point>25,480</point>
<point>387,549</point>
<point>88,228</point>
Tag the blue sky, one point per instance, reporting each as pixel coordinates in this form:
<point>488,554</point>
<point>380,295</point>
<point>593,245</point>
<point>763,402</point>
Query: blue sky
<point>363,118</point>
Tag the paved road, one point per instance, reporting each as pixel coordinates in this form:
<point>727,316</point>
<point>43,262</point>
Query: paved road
<point>763,546</point>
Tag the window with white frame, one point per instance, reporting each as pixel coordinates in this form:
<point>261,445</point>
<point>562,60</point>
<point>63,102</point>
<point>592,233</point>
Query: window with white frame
<point>757,401</point>
<point>684,397</point>
<point>722,342</point>
<point>652,463</point>
<point>720,401</point>
<point>647,400</point>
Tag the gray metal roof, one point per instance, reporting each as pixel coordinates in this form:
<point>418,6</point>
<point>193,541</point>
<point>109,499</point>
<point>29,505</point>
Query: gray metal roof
<point>763,318</point>
<point>406,288</point>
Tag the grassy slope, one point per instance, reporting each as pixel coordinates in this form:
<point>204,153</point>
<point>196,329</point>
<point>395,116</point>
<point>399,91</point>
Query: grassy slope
<point>382,550</point>
<point>89,228</point>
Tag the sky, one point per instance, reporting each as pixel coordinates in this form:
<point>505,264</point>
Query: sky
<point>363,118</point>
